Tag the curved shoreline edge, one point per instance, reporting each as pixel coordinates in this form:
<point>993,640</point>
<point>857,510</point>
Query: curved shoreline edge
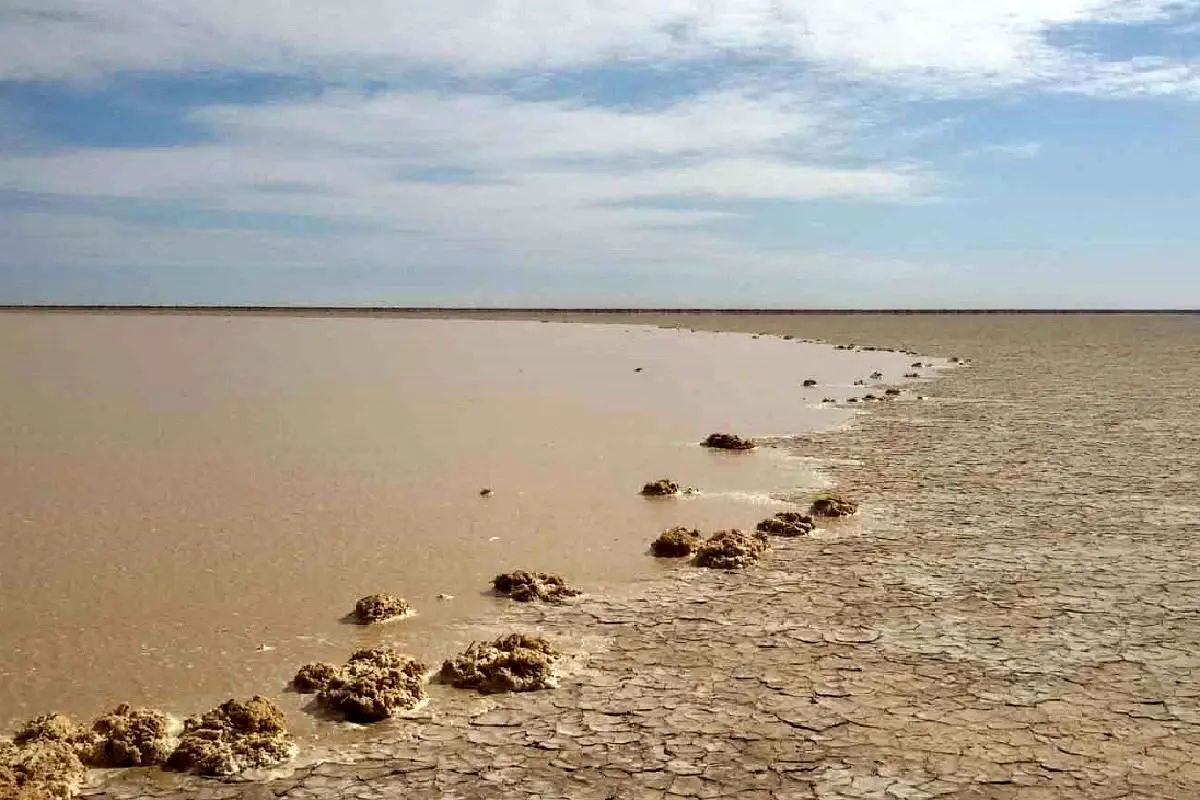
<point>589,627</point>
<point>993,637</point>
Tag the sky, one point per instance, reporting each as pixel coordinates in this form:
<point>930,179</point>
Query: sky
<point>711,153</point>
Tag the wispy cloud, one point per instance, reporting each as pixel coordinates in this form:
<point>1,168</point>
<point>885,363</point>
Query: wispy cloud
<point>347,157</point>
<point>1143,76</point>
<point>1018,150</point>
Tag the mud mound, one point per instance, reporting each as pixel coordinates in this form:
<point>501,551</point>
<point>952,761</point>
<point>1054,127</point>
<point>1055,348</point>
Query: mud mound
<point>832,504</point>
<point>40,769</point>
<point>52,727</point>
<point>375,608</point>
<point>676,543</point>
<point>232,738</point>
<point>728,441</point>
<point>372,686</point>
<point>660,488</point>
<point>731,549</point>
<point>513,663</point>
<point>526,587</point>
<point>128,737</point>
<point>314,677</point>
<point>787,523</point>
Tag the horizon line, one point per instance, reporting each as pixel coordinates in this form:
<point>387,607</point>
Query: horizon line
<point>352,309</point>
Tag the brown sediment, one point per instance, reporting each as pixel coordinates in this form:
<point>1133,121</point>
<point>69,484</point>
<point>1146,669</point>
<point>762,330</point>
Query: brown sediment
<point>231,494</point>
<point>527,587</point>
<point>995,658</point>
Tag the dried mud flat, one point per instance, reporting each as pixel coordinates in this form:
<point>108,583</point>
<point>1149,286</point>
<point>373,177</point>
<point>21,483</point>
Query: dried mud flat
<point>1013,615</point>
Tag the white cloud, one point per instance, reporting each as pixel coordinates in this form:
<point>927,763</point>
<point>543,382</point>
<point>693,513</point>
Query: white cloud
<point>491,127</point>
<point>643,192</point>
<point>717,145</point>
<point>940,45</point>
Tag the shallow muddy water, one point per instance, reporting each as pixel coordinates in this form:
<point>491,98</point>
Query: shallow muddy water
<point>190,503</point>
<point>1012,614</point>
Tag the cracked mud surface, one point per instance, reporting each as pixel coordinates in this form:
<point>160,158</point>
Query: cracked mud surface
<point>1015,613</point>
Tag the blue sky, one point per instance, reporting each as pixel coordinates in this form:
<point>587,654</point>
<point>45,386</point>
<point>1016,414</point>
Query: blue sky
<point>792,153</point>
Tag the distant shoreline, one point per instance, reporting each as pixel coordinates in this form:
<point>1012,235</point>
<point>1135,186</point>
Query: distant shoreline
<point>454,310</point>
